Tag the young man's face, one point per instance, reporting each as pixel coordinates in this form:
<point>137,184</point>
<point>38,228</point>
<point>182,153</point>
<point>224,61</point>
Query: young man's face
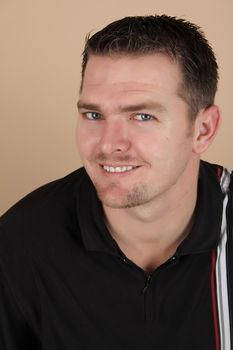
<point>134,134</point>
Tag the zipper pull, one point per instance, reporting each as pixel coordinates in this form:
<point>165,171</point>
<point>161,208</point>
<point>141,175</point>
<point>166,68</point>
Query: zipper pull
<point>146,284</point>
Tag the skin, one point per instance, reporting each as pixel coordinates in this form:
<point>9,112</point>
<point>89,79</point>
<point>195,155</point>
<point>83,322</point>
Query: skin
<point>131,114</point>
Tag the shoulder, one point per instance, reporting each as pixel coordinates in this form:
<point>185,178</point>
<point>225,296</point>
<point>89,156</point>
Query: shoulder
<point>33,233</point>
<point>41,212</point>
<point>216,173</point>
<point>48,192</point>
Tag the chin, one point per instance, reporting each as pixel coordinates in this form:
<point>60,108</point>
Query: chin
<point>118,205</point>
<point>111,201</point>
<point>122,201</point>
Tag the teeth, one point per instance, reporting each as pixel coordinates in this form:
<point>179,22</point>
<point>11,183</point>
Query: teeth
<point>117,169</point>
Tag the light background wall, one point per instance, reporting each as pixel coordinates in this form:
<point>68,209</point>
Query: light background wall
<point>41,42</point>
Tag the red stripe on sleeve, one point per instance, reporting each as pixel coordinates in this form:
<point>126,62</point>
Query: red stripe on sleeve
<point>219,172</point>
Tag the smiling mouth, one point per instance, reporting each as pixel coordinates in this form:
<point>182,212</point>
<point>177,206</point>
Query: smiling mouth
<point>118,169</point>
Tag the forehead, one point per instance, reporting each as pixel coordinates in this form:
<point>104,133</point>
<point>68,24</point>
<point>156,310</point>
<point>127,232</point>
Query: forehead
<point>152,76</point>
<point>144,69</point>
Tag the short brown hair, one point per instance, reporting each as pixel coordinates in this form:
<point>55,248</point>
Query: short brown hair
<point>177,38</point>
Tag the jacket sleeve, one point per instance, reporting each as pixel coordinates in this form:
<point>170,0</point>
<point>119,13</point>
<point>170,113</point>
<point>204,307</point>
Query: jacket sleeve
<point>15,333</point>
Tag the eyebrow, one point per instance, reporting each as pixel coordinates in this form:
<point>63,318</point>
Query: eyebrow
<point>150,105</point>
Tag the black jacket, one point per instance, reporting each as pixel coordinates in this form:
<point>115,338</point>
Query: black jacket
<point>65,284</point>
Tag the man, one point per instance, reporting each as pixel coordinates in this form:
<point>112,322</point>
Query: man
<point>133,251</point>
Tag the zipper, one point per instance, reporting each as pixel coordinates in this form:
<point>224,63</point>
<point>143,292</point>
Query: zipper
<point>148,279</point>
<point>146,292</point>
<point>148,299</point>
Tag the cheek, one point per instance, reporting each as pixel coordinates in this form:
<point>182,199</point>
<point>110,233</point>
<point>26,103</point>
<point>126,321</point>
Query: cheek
<point>86,141</point>
<point>154,145</point>
<point>163,148</point>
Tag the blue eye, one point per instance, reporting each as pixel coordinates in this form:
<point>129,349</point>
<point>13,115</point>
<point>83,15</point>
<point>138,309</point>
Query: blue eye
<point>143,117</point>
<point>93,115</point>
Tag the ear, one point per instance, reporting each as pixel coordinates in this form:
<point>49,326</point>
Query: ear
<point>206,127</point>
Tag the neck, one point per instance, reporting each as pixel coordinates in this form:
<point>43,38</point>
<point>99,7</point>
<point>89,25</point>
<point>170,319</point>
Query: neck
<point>149,234</point>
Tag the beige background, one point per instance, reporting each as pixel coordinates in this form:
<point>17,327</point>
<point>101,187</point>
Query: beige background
<point>41,42</point>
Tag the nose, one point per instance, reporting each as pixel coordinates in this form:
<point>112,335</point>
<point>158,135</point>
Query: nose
<point>115,137</point>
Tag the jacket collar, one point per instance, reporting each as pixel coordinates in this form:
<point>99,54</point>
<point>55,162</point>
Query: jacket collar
<point>203,236</point>
<point>205,233</point>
